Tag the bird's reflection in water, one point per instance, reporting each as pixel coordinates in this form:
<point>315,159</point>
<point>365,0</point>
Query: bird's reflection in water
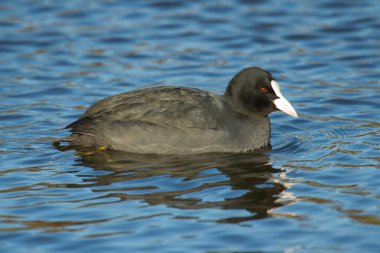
<point>180,181</point>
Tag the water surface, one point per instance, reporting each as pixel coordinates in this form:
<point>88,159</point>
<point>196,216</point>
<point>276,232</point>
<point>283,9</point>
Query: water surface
<point>316,189</point>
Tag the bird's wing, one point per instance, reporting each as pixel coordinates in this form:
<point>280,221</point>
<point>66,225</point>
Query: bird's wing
<point>164,106</point>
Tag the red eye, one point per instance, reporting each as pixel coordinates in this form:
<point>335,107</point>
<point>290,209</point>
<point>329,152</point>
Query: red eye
<point>264,89</point>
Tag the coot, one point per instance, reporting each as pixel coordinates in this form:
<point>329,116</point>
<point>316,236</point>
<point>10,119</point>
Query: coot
<point>179,120</point>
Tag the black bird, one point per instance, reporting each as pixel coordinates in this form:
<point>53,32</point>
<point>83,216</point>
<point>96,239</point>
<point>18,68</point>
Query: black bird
<point>179,120</point>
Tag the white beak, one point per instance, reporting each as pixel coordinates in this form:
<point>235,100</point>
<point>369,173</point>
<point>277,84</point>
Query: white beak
<point>281,103</point>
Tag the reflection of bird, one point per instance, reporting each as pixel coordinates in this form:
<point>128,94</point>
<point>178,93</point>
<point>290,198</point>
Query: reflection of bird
<point>246,181</point>
<point>176,120</point>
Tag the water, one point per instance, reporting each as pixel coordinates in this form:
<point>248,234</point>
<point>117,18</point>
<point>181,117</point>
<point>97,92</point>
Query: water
<point>316,190</point>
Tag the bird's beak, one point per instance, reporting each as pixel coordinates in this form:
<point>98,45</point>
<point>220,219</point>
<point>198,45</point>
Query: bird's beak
<point>281,103</point>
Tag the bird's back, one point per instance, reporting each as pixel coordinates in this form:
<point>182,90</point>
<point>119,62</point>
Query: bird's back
<point>164,105</point>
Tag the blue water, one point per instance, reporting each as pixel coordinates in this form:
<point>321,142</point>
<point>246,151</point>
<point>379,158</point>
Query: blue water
<point>316,190</point>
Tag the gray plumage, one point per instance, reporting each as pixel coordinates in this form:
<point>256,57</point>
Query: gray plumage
<point>178,120</point>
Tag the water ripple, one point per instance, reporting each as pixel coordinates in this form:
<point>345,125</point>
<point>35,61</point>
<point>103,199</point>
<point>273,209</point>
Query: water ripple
<point>320,176</point>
